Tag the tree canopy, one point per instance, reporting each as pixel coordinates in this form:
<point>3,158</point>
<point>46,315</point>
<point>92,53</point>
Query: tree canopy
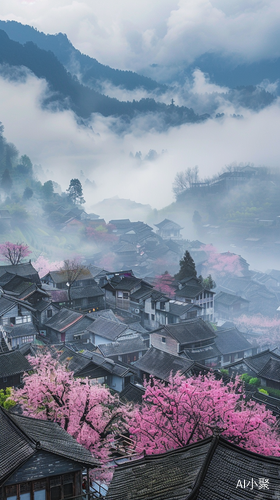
<point>14,252</point>
<point>75,191</point>
<point>186,410</point>
<point>187,267</point>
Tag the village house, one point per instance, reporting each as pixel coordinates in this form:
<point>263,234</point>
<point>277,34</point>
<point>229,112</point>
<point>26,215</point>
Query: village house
<point>161,310</point>
<point>233,345</point>
<point>26,270</point>
<point>115,374</point>
<point>160,364</point>
<point>65,325</point>
<point>264,365</point>
<point>169,230</point>
<point>14,311</point>
<point>126,293</point>
<point>192,291</point>
<point>39,460</point>
<point>228,306</point>
<point>128,349</point>
<point>193,335</point>
<point>59,279</point>
<point>105,331</point>
<point>86,298</point>
<point>13,364</point>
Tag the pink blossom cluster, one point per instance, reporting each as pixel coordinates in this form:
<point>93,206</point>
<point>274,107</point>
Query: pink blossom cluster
<point>187,410</point>
<point>221,264</point>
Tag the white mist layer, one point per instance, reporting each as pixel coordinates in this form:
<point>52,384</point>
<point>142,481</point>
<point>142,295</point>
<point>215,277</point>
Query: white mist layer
<point>64,149</point>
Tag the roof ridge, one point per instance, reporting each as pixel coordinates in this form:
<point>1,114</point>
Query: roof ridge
<point>204,468</point>
<point>9,417</point>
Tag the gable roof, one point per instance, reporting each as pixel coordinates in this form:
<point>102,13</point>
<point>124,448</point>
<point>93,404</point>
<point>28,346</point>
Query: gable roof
<point>63,319</point>
<point>231,340</point>
<point>61,276</point>
<point>189,331</point>
<point>21,437</point>
<point>13,363</point>
<point>271,370</point>
<point>25,269</point>
<point>159,364</point>
<point>168,224</point>
<point>228,299</point>
<point>124,346</point>
<point>107,329</point>
<point>207,470</point>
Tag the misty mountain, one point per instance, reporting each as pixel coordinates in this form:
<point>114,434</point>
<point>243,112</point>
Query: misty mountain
<point>68,93</point>
<point>89,70</point>
<point>231,72</point>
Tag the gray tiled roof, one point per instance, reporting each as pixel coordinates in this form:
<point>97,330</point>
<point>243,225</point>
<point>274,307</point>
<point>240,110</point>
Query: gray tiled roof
<point>207,470</point>
<point>160,477</point>
<point>228,299</point>
<point>124,346</point>
<point>159,364</point>
<point>12,363</point>
<point>202,353</point>
<point>271,370</point>
<point>230,341</point>
<point>63,319</point>
<point>189,331</point>
<point>108,329</point>
<point>25,269</point>
<point>20,330</point>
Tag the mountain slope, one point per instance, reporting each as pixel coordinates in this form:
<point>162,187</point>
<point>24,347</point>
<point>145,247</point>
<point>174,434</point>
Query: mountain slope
<point>69,93</point>
<point>92,72</point>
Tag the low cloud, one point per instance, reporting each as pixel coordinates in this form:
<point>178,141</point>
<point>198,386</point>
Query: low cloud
<point>64,148</point>
<point>134,35</point>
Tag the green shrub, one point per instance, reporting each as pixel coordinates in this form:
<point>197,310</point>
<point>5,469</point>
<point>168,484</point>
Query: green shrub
<point>275,393</point>
<point>246,378</point>
<point>263,391</point>
<point>224,371</point>
<point>255,381</point>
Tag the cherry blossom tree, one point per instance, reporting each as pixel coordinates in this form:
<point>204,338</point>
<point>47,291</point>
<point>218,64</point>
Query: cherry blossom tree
<point>44,266</point>
<point>90,413</point>
<point>14,252</point>
<point>268,329</point>
<point>187,410</point>
<point>164,283</point>
<point>220,264</point>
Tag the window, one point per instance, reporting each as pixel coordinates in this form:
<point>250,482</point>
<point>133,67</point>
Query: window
<point>163,339</point>
<point>152,305</point>
<point>119,295</point>
<point>162,305</point>
<point>125,295</point>
<point>49,313</point>
<point>153,317</point>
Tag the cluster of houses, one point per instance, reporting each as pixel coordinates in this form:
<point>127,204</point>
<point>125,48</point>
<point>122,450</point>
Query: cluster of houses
<point>119,329</point>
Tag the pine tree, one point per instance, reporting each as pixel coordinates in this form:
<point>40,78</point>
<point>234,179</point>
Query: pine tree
<point>75,191</point>
<point>187,267</point>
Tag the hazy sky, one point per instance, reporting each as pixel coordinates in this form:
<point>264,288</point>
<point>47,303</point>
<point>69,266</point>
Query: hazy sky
<point>133,34</point>
<point>126,34</point>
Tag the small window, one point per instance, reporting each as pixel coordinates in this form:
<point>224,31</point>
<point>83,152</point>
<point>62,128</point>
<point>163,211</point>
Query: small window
<point>162,305</point>
<point>49,313</point>
<point>163,339</point>
<point>152,305</point>
<point>120,295</point>
<point>125,295</point>
<point>153,317</point>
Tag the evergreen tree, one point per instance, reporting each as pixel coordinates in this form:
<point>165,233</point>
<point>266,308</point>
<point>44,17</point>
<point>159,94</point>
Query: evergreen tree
<point>75,191</point>
<point>187,267</point>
